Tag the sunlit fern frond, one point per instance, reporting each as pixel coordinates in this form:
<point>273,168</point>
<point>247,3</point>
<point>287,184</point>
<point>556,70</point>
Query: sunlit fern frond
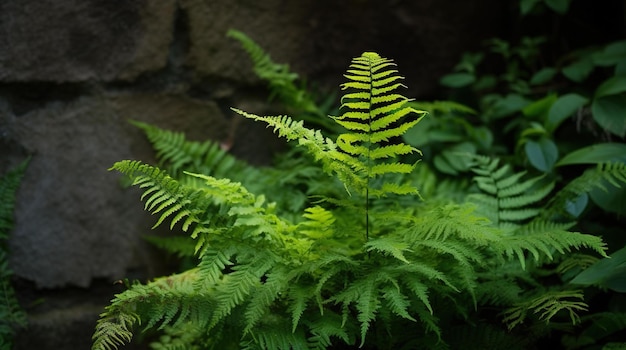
<point>374,117</point>
<point>209,211</point>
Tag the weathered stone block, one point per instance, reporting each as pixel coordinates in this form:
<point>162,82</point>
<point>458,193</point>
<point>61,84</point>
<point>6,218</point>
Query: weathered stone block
<point>318,38</point>
<point>80,40</point>
<point>74,222</point>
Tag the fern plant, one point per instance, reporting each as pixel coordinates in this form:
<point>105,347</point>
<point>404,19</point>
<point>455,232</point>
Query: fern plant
<point>537,221</point>
<point>357,268</point>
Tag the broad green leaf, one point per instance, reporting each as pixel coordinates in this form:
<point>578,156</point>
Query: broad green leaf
<point>543,76</point>
<point>607,273</point>
<point>457,80</point>
<point>612,201</point>
<point>482,136</point>
<point>563,108</point>
<point>579,70</point>
<point>611,55</point>
<point>508,105</point>
<point>611,86</point>
<point>620,68</point>
<point>558,6</point>
<point>533,131</point>
<point>527,5</point>
<point>577,205</point>
<point>540,107</point>
<point>420,136</point>
<point>599,153</point>
<point>486,82</point>
<point>444,166</point>
<point>542,154</point>
<point>610,113</point>
<point>455,159</point>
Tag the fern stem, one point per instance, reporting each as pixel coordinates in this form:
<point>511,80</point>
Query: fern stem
<point>367,213</point>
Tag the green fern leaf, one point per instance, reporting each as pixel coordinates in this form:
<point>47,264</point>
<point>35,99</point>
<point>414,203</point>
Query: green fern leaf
<point>167,300</point>
<point>397,302</point>
<point>281,80</point>
<point>542,238</point>
<point>506,199</point>
<point>547,306</point>
<point>388,245</point>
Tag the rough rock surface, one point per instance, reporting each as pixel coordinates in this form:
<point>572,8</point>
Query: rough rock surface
<point>73,71</point>
<point>79,40</point>
<point>73,219</point>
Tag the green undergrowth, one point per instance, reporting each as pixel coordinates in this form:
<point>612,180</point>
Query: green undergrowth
<point>350,241</point>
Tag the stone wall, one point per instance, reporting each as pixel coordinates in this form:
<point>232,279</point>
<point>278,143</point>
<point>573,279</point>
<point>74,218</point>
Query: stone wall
<point>72,72</point>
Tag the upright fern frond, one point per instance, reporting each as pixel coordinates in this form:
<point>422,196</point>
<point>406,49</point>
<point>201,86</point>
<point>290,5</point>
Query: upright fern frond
<point>374,115</point>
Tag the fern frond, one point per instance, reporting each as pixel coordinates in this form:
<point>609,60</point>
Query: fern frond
<point>453,220</point>
<point>274,333</point>
<point>175,152</point>
<point>505,197</point>
<point>9,184</point>
<point>324,327</point>
<point>299,299</point>
<point>236,286</point>
<point>388,246</point>
<point>184,337</point>
<point>544,238</point>
<point>205,211</point>
<point>397,302</point>
<point>546,306</point>
<point>165,301</point>
<point>264,297</point>
<point>373,115</point>
<point>213,263</point>
<point>281,80</point>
